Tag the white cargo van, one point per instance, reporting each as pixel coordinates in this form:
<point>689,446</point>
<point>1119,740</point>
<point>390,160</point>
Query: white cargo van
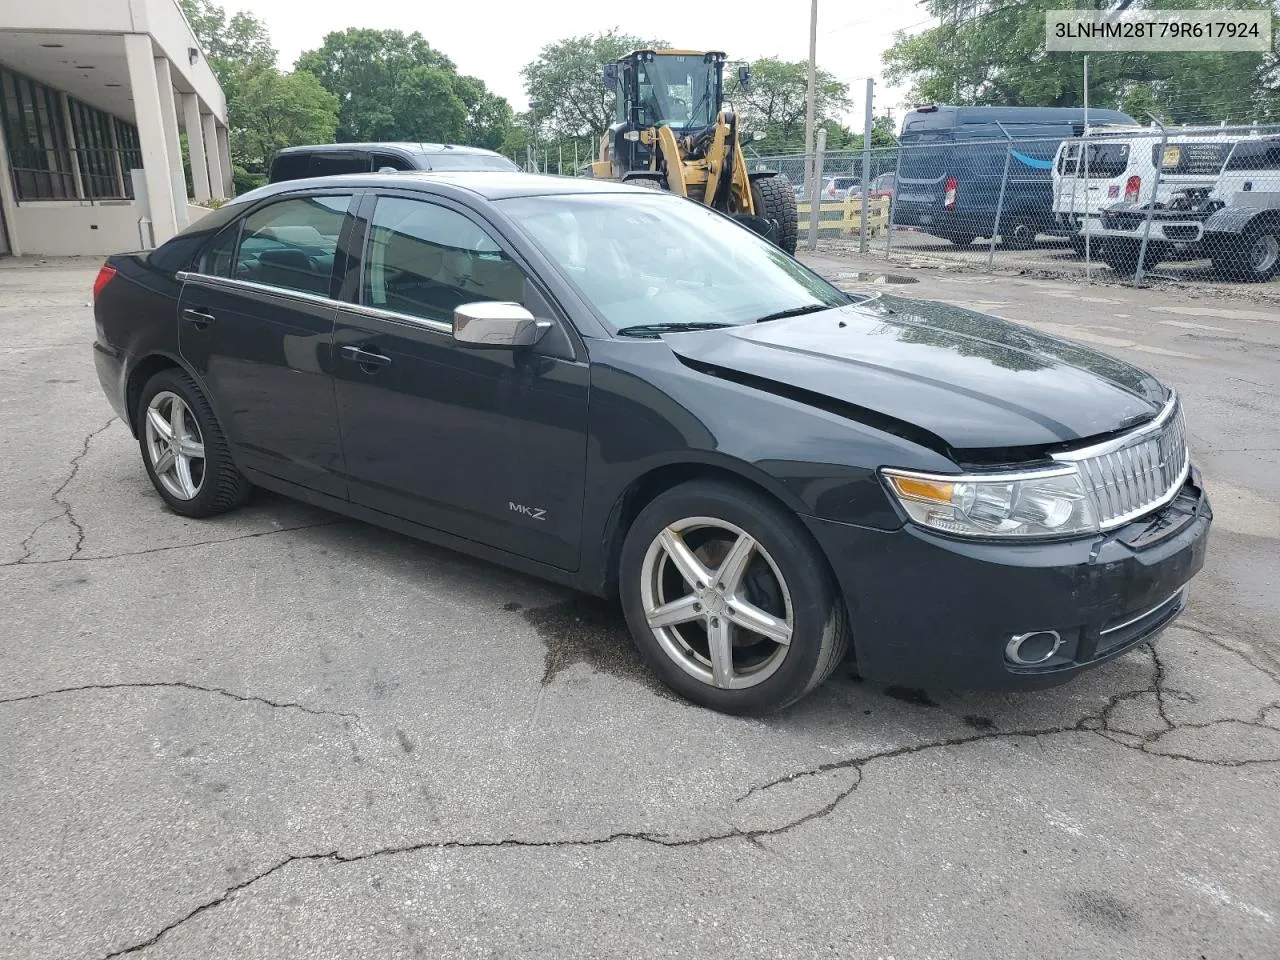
<point>1122,169</point>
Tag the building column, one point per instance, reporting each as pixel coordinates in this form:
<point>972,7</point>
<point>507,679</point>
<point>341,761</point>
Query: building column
<point>224,155</point>
<point>8,202</point>
<point>172,143</point>
<point>195,146</point>
<point>213,155</point>
<point>149,119</point>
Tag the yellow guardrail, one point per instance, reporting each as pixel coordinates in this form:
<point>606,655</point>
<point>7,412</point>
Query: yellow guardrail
<point>844,217</point>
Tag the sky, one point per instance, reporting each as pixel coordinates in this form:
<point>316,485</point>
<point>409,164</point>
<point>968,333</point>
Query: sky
<point>493,39</point>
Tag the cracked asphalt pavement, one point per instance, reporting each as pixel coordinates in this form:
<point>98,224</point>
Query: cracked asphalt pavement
<point>280,733</point>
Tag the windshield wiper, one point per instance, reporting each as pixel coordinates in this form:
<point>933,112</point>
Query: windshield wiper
<point>796,312</point>
<point>654,329</point>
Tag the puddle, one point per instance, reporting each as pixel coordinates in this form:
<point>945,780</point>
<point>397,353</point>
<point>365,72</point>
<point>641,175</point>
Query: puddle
<point>864,276</point>
<point>588,630</point>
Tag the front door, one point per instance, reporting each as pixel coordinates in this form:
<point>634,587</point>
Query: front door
<point>486,444</point>
<point>256,323</point>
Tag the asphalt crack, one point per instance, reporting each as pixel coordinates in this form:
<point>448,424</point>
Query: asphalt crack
<point>181,685</point>
<point>60,501</point>
<point>336,858</point>
<point>176,546</point>
<point>1096,723</point>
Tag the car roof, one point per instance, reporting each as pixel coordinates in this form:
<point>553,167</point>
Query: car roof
<point>489,184</point>
<point>406,147</point>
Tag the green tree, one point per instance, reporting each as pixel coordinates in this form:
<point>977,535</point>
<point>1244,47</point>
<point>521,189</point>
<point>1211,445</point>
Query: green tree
<point>992,52</point>
<point>395,86</point>
<point>776,102</point>
<point>273,110</point>
<point>565,82</point>
<point>234,46</point>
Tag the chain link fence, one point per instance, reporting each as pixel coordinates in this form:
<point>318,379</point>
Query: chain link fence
<point>1187,203</point>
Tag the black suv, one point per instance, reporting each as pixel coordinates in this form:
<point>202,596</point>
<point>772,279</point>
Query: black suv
<point>328,159</point>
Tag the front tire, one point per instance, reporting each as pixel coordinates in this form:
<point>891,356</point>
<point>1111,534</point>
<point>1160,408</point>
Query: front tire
<point>729,600</point>
<point>774,199</point>
<point>184,449</point>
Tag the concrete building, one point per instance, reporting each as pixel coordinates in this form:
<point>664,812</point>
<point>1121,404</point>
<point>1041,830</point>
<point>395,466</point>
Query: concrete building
<point>90,91</point>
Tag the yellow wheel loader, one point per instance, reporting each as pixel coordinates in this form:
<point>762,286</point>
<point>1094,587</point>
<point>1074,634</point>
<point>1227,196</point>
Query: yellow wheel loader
<point>673,131</point>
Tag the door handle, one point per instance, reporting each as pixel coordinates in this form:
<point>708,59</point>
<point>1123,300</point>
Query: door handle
<point>365,358</point>
<point>198,318</point>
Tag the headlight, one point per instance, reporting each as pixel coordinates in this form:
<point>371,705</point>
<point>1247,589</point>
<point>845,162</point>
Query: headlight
<point>1046,503</point>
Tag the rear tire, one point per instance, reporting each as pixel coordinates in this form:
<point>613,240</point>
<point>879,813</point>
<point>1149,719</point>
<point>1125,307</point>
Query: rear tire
<point>1253,257</point>
<point>191,466</point>
<point>676,609</point>
<point>775,199</point>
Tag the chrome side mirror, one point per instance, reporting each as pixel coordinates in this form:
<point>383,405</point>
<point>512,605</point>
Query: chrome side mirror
<point>496,324</point>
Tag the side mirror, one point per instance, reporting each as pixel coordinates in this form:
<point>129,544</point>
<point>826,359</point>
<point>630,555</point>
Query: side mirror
<point>497,324</point>
<point>744,77</point>
<point>610,77</point>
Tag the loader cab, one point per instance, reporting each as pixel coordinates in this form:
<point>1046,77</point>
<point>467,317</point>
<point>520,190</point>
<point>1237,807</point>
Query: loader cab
<point>681,88</point>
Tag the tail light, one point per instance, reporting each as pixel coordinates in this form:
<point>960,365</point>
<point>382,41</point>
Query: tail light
<point>105,276</point>
<point>949,200</point>
<point>1132,188</point>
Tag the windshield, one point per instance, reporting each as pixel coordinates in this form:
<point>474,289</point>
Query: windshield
<point>652,259</point>
<point>679,90</point>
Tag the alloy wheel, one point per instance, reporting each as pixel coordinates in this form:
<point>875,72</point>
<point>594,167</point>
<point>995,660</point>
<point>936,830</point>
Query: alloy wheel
<point>716,602</point>
<point>174,445</point>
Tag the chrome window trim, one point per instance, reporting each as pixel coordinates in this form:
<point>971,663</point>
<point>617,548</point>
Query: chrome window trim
<point>435,326</point>
<point>1178,594</point>
<point>190,276</point>
<point>377,313</point>
<point>1140,435</point>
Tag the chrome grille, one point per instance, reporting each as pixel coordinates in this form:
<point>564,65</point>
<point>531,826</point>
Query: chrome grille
<point>1136,473</point>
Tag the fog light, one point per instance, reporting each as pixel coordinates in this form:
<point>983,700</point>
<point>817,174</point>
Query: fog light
<point>1029,649</point>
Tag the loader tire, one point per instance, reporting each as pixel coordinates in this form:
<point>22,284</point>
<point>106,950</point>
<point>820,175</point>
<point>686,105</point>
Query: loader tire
<point>775,199</point>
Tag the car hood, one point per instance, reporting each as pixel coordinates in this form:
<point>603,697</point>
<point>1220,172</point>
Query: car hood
<point>969,380</point>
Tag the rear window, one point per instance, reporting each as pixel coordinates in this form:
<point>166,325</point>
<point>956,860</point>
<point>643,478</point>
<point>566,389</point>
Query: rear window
<point>1106,160</point>
<point>1255,155</point>
<point>1190,158</point>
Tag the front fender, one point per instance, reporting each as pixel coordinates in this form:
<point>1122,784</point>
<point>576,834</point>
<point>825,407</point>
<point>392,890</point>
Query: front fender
<point>1229,220</point>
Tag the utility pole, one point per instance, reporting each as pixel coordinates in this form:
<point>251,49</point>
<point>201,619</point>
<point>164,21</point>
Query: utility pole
<point>867,126</point>
<point>811,189</point>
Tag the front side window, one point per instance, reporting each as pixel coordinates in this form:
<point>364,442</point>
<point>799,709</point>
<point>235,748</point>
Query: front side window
<point>661,259</point>
<point>425,260</point>
<point>293,244</point>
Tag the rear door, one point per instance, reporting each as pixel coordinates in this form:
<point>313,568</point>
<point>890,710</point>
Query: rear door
<point>486,444</point>
<point>256,320</point>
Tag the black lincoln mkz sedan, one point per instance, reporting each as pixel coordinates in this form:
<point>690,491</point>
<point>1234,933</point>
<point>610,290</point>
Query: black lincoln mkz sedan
<point>630,394</point>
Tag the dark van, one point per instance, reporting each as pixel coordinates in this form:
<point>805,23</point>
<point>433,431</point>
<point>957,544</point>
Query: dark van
<point>952,161</point>
<point>330,159</point>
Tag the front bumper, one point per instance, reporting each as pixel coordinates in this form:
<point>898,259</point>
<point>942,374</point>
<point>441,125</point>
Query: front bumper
<point>928,610</point>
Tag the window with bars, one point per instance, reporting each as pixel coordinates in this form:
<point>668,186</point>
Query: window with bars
<point>45,155</point>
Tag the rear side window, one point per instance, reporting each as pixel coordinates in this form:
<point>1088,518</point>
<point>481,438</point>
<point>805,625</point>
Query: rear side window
<point>1190,158</point>
<point>334,164</point>
<point>1255,155</point>
<point>290,166</point>
<point>219,257</point>
<point>293,244</point>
